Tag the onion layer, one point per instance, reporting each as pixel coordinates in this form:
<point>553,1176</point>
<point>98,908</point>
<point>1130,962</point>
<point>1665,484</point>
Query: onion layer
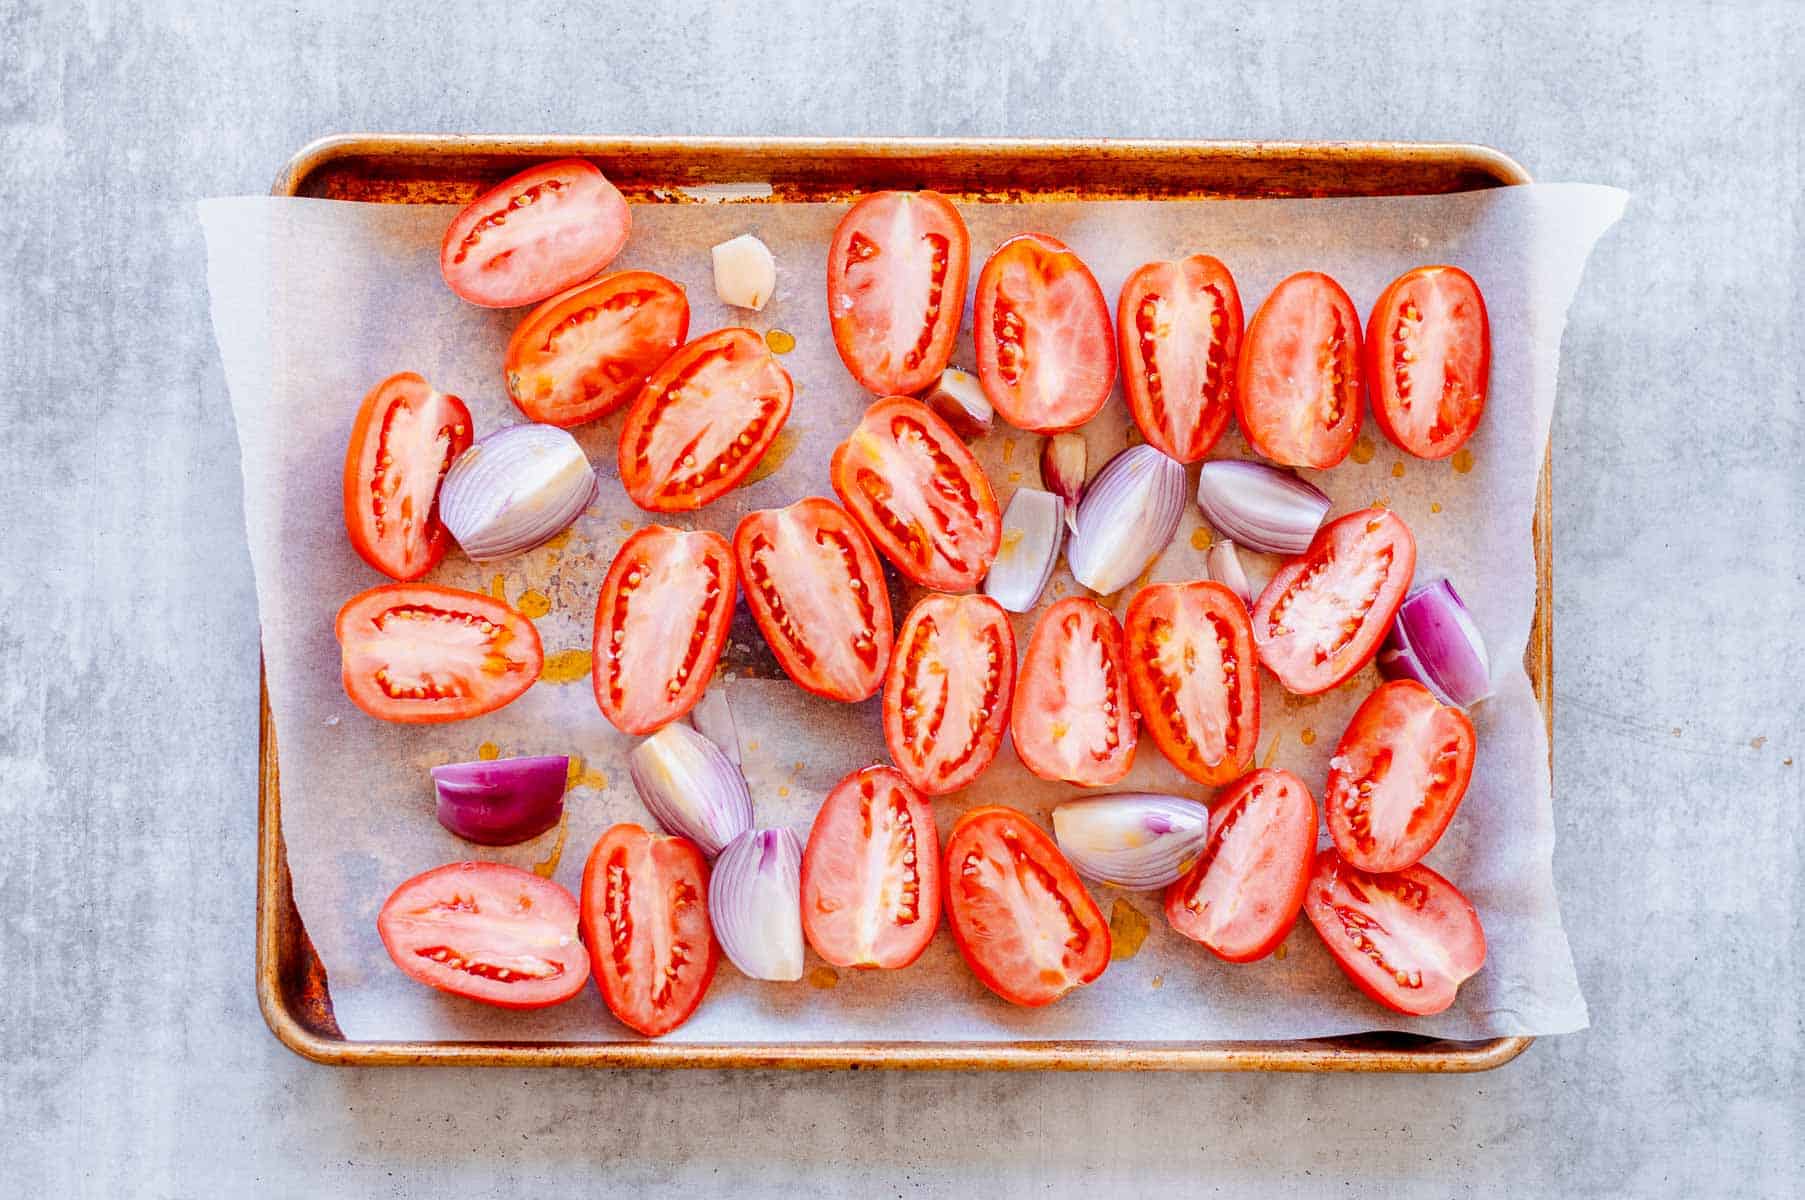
<point>713,719</point>
<point>1435,641</point>
<point>1128,515</point>
<point>691,788</point>
<point>755,903</point>
<point>1225,569</point>
<point>1033,528</point>
<point>1135,840</point>
<point>514,489</point>
<point>1064,458</point>
<point>1260,507</point>
<point>501,801</point>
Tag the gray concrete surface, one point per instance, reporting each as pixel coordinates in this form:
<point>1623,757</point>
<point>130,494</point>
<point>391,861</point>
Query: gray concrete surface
<point>132,1058</point>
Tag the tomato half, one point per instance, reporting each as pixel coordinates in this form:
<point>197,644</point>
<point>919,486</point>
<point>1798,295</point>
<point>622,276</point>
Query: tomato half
<point>1397,776</point>
<point>896,277</point>
<point>1178,331</point>
<point>587,351</point>
<point>660,623</point>
<point>1407,939</point>
<point>817,592</point>
<point>703,420</point>
<point>535,234</point>
<point>486,931</point>
<point>1324,613</point>
<point>1020,917</point>
<point>1073,717</point>
<point>1429,360</point>
<point>1194,676</point>
<point>402,443</point>
<point>421,654</point>
<point>946,697</point>
<point>1297,388</point>
<point>645,921</point>
<point>1046,349</point>
<point>1243,895</point>
<point>871,872</point>
<point>915,488</point>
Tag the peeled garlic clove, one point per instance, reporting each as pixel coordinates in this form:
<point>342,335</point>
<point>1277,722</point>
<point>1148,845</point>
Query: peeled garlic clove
<point>1063,460</point>
<point>1033,529</point>
<point>957,399</point>
<point>1225,569</point>
<point>745,274</point>
<point>1128,516</point>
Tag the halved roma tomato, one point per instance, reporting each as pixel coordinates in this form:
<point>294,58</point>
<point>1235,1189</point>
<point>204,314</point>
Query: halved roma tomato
<point>946,698</point>
<point>1178,329</point>
<point>1429,360</point>
<point>402,443</point>
<point>915,488</point>
<point>1046,351</point>
<point>703,420</point>
<point>660,623</point>
<point>1073,717</point>
<point>1397,776</point>
<point>896,288</point>
<point>421,654</point>
<point>587,351</point>
<point>1297,388</point>
<point>1194,677</point>
<point>1408,939</point>
<point>871,872</point>
<point>487,931</point>
<point>817,592</point>
<point>645,921</point>
<point>535,234</point>
<point>1322,617</point>
<point>1244,894</point>
<point>1023,922</point>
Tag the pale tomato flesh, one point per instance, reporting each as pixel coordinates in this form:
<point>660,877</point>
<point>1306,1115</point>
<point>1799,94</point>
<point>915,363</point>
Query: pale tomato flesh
<point>896,278</point>
<point>662,618</point>
<point>871,873</point>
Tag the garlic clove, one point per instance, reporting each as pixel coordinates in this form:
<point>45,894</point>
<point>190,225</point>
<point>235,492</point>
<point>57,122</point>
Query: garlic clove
<point>959,400</point>
<point>745,274</point>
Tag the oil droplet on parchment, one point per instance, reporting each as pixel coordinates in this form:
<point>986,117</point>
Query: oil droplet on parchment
<point>1434,506</point>
<point>534,603</point>
<point>547,865</point>
<point>1008,449</point>
<point>781,341</point>
<point>1015,477</point>
<point>1462,461</point>
<point>1158,981</point>
<point>488,752</point>
<point>823,978</point>
<point>498,588</point>
<point>1397,470</point>
<point>1363,450</point>
<point>1128,928</point>
<point>626,526</point>
<point>1272,750</point>
<point>566,666</point>
<point>1281,952</point>
<point>580,775</point>
<point>1200,538</point>
<point>782,446</point>
<point>557,541</point>
<point>1307,736</point>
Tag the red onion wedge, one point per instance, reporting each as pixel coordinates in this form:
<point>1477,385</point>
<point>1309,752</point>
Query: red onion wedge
<point>1033,529</point>
<point>755,903</point>
<point>1260,507</point>
<point>690,787</point>
<point>502,801</point>
<point>1135,840</point>
<point>1127,517</point>
<point>514,489</point>
<point>1063,460</point>
<point>1435,641</point>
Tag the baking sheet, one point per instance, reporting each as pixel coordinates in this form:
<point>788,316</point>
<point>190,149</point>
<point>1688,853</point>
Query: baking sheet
<point>314,301</point>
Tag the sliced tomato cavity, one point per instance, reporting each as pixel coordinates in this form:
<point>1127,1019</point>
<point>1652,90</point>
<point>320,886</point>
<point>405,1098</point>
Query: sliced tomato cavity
<point>871,873</point>
<point>896,276</point>
<point>660,623</point>
<point>645,920</point>
<point>1397,777</point>
<point>402,444</point>
<point>1247,887</point>
<point>534,234</point>
<point>1072,717</point>
<point>419,653</point>
<point>947,694</point>
<point>1194,677</point>
<point>1298,382</point>
<point>1046,348</point>
<point>1429,351</point>
<point>1179,328</point>
<point>584,353</point>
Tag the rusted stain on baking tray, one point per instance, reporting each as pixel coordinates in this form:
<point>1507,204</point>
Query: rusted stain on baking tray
<point>292,988</point>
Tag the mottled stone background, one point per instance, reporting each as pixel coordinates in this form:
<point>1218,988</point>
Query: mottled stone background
<point>133,1060</point>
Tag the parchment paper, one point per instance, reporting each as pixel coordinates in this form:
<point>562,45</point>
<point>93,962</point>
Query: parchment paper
<point>315,301</point>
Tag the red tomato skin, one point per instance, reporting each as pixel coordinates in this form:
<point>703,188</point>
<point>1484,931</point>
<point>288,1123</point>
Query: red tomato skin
<point>1223,607</point>
<point>608,227</point>
<point>1201,273</point>
<point>1263,426</point>
<point>1433,888</point>
<point>1371,633</point>
<point>1083,907</point>
<point>1054,264</point>
<point>1364,741</point>
<point>594,926</point>
<point>1040,658</point>
<point>361,458</point>
<point>881,378</point>
<point>715,622</point>
<point>1296,851</point>
<point>524,669</point>
<point>484,991</point>
<point>667,323</point>
<point>1380,381</point>
<point>989,739</point>
<point>821,854</point>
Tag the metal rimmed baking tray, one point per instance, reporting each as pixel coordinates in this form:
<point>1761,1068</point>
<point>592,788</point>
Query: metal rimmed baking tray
<point>430,168</point>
